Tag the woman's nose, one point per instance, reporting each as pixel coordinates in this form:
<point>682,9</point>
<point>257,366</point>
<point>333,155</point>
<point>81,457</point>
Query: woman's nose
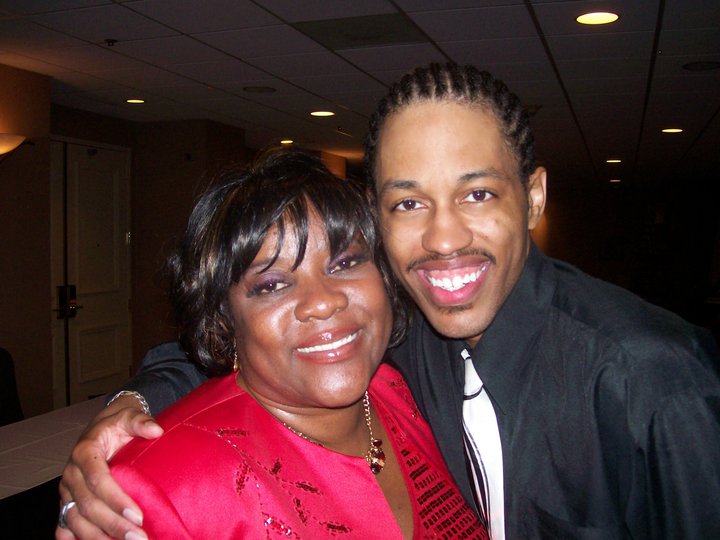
<point>321,300</point>
<point>446,232</point>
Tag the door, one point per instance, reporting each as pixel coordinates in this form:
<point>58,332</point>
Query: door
<point>90,261</point>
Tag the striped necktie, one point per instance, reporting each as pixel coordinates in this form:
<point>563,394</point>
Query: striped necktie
<point>484,450</point>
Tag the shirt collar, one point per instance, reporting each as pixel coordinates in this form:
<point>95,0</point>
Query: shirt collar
<point>501,356</point>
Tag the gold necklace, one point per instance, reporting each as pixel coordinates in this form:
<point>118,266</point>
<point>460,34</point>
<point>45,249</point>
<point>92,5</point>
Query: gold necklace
<point>375,456</point>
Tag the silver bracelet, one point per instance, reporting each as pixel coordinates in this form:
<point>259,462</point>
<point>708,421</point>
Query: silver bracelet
<point>136,395</point>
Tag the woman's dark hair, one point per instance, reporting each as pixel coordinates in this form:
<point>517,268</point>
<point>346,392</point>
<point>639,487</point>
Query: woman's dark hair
<point>228,226</point>
<point>460,84</point>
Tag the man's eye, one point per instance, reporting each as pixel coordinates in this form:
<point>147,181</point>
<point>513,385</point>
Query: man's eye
<point>479,195</point>
<point>407,205</point>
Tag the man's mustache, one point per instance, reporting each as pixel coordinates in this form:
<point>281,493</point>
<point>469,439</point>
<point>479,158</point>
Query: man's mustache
<point>462,253</point>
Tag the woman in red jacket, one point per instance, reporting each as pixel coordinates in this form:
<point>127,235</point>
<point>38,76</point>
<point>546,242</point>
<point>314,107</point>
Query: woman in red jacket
<point>282,291</point>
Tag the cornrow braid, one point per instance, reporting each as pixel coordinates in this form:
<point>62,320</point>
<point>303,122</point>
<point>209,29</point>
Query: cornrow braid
<point>464,85</point>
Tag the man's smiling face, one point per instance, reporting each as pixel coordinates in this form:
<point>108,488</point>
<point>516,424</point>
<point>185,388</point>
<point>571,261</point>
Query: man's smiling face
<point>454,212</point>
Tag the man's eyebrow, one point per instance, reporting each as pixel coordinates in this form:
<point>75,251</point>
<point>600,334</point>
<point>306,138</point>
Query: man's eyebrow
<point>391,185</point>
<point>400,184</point>
<point>490,172</point>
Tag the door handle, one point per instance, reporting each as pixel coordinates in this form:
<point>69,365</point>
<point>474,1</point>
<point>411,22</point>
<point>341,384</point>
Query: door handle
<point>67,302</point>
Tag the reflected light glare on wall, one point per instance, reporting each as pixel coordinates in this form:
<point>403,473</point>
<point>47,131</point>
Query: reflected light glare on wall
<point>9,142</point>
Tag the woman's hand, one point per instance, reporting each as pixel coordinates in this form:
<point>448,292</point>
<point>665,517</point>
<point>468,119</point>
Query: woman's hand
<point>101,507</point>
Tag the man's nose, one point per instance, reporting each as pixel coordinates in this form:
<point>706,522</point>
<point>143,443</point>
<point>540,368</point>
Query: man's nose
<point>446,232</point>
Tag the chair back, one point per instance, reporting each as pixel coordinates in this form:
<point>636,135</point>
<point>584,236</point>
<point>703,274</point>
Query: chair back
<point>10,410</point>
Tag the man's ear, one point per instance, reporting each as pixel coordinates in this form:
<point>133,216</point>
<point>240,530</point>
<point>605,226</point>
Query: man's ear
<point>536,191</point>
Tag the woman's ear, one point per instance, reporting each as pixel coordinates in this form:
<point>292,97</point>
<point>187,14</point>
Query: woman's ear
<point>536,191</point>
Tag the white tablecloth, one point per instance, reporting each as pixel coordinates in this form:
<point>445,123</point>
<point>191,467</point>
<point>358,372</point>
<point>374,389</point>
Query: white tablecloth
<point>35,450</point>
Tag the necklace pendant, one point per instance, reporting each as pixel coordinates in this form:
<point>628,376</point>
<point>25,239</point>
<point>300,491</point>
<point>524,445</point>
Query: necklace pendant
<point>376,456</point>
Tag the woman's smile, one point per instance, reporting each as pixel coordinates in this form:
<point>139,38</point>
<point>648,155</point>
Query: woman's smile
<point>327,344</point>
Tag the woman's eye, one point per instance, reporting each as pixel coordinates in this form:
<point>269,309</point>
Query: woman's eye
<point>347,262</point>
<point>479,195</point>
<point>267,287</point>
<point>406,205</point>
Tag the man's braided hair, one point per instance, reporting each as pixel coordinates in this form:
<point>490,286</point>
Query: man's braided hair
<point>464,85</point>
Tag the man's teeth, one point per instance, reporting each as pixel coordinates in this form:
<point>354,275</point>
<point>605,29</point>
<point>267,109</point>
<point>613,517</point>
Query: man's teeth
<point>329,346</point>
<point>457,282</point>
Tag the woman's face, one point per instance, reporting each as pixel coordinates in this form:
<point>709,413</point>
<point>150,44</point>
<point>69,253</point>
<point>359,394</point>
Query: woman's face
<point>312,336</point>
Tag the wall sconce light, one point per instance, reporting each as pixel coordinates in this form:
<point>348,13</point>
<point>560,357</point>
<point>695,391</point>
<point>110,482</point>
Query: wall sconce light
<point>9,142</point>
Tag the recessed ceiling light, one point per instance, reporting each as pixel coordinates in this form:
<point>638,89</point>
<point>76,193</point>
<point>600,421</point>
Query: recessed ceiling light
<point>613,161</point>
<point>701,66</point>
<point>287,141</point>
<point>672,130</point>
<point>259,89</point>
<point>135,101</point>
<point>598,17</point>
<point>615,180</point>
<point>322,113</point>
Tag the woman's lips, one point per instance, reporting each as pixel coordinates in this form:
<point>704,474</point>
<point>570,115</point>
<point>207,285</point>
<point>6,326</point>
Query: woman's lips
<point>329,346</point>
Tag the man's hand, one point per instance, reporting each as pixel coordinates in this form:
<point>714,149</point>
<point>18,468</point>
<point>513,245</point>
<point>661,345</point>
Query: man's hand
<point>102,508</point>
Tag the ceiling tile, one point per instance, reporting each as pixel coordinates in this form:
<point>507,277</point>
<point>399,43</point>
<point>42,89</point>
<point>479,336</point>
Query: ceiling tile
<point>300,65</point>
<point>672,66</point>
<point>229,70</point>
<point>168,51</point>
<point>607,86</point>
<point>283,89</point>
<point>618,106</point>
<point>487,51</point>
<point>96,24</point>
<point>190,92</point>
<point>25,7</point>
<point>699,86</point>
<point>470,24</point>
<point>74,82</point>
<point>690,42</point>
<point>401,57</point>
<point>616,45</point>
<point>205,16</point>
<point>536,92</point>
<point>412,6</point>
<point>684,15</point>
<point>87,58</point>
<point>601,68</point>
<point>357,32</point>
<point>345,82</point>
<point>143,77</point>
<point>261,41</point>
<point>315,10</point>
<point>21,35</point>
